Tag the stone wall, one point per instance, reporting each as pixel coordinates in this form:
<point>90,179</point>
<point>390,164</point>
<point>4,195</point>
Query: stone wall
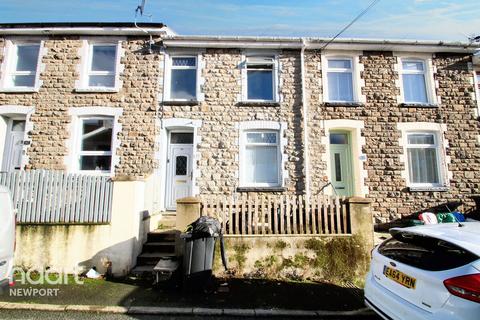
<point>381,113</point>
<point>221,114</point>
<point>137,97</point>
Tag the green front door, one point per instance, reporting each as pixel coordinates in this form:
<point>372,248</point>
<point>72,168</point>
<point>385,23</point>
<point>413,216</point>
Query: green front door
<point>341,163</point>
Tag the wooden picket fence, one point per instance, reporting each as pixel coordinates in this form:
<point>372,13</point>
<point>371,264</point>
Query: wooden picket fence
<point>258,214</point>
<point>45,196</point>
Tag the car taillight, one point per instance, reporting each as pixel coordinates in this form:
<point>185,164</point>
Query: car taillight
<point>466,287</point>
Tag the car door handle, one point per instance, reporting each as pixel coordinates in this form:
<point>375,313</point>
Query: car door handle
<point>2,263</point>
<point>340,188</point>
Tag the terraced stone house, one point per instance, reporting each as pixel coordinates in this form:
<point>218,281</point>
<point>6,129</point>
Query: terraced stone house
<point>167,116</point>
<point>394,121</point>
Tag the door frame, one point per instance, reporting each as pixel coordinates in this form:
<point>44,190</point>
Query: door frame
<point>359,173</point>
<point>349,172</point>
<point>169,166</point>
<point>15,112</point>
<point>160,172</point>
<point>8,142</point>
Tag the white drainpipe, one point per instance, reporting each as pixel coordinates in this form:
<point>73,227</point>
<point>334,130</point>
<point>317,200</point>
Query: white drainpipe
<point>306,165</point>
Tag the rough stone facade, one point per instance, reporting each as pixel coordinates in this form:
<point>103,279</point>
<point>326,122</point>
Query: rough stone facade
<point>218,164</point>
<point>221,115</point>
<point>381,113</point>
<point>137,97</point>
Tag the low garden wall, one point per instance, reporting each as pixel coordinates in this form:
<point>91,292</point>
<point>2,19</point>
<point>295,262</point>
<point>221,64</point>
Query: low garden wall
<point>338,258</point>
<point>73,248</point>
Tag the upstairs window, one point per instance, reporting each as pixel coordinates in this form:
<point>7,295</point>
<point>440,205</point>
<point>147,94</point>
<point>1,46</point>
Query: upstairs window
<point>340,80</point>
<point>22,69</point>
<point>95,147</point>
<point>262,160</point>
<point>183,84</point>
<point>102,65</point>
<point>423,158</point>
<point>260,78</point>
<point>414,81</point>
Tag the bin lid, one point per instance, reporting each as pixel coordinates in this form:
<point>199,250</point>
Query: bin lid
<point>205,227</point>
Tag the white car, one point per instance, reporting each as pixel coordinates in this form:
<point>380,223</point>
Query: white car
<point>7,237</point>
<point>427,272</point>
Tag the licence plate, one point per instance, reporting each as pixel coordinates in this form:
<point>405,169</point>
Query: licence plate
<point>399,277</point>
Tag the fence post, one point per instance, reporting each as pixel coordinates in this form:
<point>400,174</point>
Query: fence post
<point>188,210</point>
<point>361,219</point>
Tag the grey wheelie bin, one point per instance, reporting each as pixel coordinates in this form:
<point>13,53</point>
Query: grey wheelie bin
<point>199,249</point>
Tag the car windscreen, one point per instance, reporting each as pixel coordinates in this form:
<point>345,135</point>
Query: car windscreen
<point>425,252</point>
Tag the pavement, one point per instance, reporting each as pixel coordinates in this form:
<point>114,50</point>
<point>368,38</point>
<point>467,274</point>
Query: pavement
<point>225,298</point>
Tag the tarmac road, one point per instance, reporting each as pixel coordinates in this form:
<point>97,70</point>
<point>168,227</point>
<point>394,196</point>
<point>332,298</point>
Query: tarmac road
<point>41,315</point>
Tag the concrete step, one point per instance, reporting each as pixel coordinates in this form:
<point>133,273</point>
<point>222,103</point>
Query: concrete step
<point>167,221</point>
<point>162,247</point>
<point>141,271</point>
<point>161,236</point>
<point>152,258</point>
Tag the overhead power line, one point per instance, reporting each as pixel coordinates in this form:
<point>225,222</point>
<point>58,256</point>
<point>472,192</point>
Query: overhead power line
<point>361,14</point>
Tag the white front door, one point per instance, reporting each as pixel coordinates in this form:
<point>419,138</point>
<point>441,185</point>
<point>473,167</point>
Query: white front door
<point>179,168</point>
<point>14,145</point>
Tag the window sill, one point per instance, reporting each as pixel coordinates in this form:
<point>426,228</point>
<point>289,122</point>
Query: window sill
<point>258,104</point>
<point>343,104</point>
<point>428,189</point>
<point>181,103</point>
<point>19,90</point>
<point>97,90</point>
<point>261,189</point>
<point>419,105</point>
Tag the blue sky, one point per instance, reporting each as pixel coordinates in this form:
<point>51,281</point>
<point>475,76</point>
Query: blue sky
<point>399,19</point>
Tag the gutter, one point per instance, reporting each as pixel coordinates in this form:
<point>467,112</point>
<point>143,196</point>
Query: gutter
<point>306,164</point>
<point>110,31</point>
<point>317,43</point>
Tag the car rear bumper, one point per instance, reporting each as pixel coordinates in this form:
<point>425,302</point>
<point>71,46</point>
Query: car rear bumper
<point>391,307</point>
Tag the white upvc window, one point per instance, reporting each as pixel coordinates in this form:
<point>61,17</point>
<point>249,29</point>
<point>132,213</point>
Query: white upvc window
<point>183,78</point>
<point>21,71</point>
<point>416,80</point>
<point>261,160</point>
<point>341,77</point>
<point>260,78</point>
<point>95,144</point>
<point>102,65</point>
<point>100,69</point>
<point>340,80</point>
<point>424,159</point>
